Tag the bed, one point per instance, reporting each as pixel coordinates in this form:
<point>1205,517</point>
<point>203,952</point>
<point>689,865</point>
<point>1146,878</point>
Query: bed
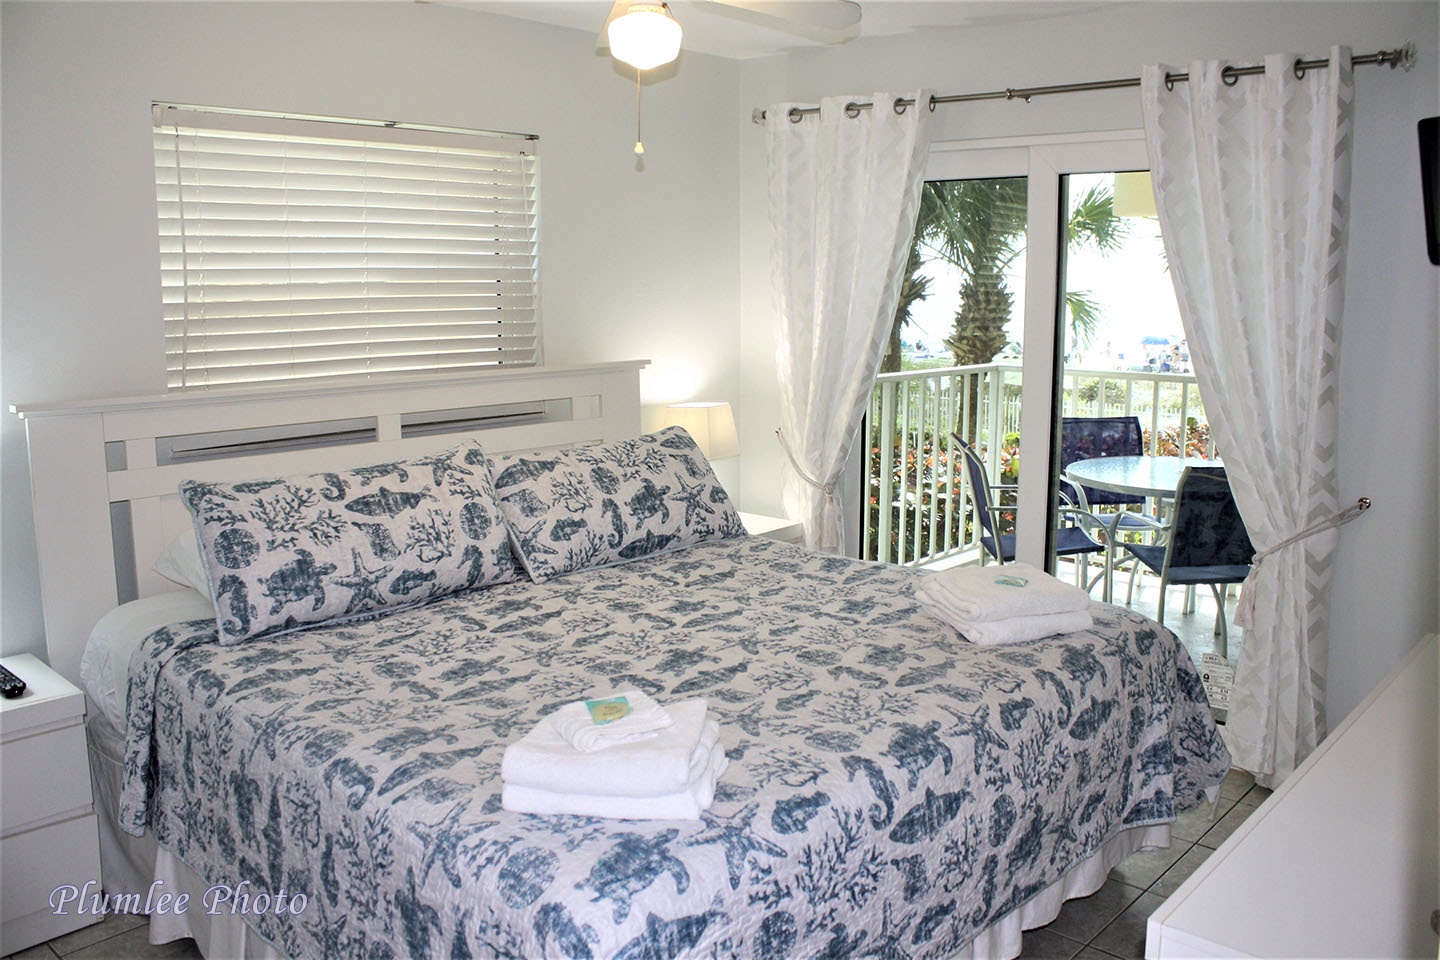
<point>892,789</point>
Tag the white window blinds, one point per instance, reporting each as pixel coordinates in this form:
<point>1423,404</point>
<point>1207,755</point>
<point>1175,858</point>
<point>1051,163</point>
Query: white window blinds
<point>302,249</point>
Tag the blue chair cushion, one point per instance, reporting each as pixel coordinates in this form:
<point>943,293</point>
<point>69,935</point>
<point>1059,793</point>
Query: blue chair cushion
<point>1221,573</point>
<point>1154,557</point>
<point>1069,541</point>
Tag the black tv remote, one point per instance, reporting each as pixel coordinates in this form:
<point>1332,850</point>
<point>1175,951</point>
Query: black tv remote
<point>11,686</point>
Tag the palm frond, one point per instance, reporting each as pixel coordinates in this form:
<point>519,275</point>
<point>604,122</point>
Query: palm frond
<point>1093,222</point>
<point>1084,312</point>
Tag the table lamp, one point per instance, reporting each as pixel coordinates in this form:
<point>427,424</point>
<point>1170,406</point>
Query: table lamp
<point>711,423</point>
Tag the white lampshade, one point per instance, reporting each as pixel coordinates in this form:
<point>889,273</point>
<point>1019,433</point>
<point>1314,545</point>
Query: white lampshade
<point>1134,195</point>
<point>645,36</point>
<point>712,424</point>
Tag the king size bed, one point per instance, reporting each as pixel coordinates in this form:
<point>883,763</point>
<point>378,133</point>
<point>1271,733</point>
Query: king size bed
<point>892,789</point>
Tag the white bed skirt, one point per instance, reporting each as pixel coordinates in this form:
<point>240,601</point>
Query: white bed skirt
<point>132,863</point>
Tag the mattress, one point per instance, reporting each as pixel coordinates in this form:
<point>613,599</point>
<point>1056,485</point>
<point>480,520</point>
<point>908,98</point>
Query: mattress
<point>891,786</point>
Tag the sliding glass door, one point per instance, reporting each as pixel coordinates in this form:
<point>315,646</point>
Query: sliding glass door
<point>986,319</point>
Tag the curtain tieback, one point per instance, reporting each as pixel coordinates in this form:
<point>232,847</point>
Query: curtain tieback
<point>1245,607</point>
<point>826,487</point>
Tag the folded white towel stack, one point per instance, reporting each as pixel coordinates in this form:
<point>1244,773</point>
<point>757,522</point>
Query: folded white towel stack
<point>1011,603</point>
<point>664,774</point>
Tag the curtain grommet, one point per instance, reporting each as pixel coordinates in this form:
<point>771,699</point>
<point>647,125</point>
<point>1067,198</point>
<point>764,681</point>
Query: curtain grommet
<point>1229,77</point>
<point>1169,81</point>
<point>795,115</point>
<point>932,103</point>
<point>1299,69</point>
<point>852,109</point>
<point>900,106</point>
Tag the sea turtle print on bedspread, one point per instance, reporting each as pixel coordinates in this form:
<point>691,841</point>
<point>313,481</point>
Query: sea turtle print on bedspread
<point>892,788</point>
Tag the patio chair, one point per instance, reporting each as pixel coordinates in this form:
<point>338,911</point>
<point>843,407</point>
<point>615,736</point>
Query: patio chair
<point>1206,542</point>
<point>1087,438</point>
<point>1070,540</point>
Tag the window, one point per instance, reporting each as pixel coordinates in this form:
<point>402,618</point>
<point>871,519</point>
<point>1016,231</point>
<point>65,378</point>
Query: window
<point>299,249</point>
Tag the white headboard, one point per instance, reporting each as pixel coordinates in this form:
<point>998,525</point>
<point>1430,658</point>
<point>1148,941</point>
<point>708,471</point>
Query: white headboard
<point>104,474</point>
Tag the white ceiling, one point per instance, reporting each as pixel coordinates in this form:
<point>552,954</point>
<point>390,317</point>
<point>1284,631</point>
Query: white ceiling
<point>715,28</point>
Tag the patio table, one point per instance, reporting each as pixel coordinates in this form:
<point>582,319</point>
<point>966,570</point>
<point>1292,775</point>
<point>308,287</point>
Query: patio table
<point>1147,476</point>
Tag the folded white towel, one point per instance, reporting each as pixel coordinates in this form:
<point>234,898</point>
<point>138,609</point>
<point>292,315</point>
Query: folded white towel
<point>665,763</point>
<point>645,719</point>
<point>685,804</point>
<point>977,594</point>
<point>1021,629</point>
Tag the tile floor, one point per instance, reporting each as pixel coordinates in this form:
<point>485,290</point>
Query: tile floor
<point>1108,924</point>
<point>117,937</point>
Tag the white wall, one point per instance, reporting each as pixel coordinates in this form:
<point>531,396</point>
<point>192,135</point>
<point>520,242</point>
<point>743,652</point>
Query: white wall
<point>635,263</point>
<point>1385,586</point>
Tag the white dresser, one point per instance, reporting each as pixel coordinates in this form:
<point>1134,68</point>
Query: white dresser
<point>1343,860</point>
<point>48,834</point>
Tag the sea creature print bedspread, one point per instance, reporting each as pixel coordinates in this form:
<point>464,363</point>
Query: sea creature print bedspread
<point>892,788</point>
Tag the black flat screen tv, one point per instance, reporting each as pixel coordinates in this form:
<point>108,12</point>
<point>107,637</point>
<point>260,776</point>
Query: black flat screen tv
<point>1430,183</point>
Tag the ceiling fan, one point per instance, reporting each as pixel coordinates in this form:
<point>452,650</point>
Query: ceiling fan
<point>650,25</point>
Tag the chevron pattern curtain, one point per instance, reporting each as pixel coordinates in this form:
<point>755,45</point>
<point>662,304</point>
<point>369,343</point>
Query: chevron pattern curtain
<point>844,192</point>
<point>1252,182</point>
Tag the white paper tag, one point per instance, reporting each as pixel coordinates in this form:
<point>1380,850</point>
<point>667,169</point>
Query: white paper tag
<point>1219,678</point>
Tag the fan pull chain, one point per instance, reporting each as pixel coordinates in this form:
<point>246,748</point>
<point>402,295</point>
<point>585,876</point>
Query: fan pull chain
<point>639,143</point>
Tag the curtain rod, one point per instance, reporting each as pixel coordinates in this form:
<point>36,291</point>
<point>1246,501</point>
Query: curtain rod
<point>157,105</point>
<point>1399,57</point>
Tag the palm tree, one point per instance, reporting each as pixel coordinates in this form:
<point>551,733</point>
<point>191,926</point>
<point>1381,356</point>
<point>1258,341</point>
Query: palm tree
<point>915,287</point>
<point>979,227</point>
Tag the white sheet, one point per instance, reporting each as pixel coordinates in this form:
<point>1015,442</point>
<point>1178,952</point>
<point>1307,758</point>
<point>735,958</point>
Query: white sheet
<point>105,665</point>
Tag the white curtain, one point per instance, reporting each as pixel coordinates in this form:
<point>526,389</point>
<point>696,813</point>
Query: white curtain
<point>1252,180</point>
<point>844,191</point>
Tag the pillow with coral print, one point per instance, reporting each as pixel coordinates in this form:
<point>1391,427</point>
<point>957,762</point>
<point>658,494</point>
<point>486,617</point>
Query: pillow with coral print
<point>608,503</point>
<point>293,552</point>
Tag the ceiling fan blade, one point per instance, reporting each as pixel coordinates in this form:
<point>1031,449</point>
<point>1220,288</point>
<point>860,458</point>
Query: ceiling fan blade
<point>831,15</point>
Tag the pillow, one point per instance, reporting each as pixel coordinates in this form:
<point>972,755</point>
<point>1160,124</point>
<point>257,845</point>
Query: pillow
<point>296,551</point>
<point>180,562</point>
<point>608,503</point>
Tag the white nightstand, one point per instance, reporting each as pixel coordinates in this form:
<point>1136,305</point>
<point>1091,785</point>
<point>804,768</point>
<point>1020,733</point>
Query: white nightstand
<point>48,834</point>
<point>776,528</point>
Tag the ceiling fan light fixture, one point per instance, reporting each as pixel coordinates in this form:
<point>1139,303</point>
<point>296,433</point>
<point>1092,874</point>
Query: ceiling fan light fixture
<point>645,36</point>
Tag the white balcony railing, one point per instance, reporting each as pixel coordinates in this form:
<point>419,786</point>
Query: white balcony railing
<point>916,470</point>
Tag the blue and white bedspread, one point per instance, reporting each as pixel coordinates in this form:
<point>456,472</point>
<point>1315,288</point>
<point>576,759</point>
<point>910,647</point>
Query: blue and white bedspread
<point>892,790</point>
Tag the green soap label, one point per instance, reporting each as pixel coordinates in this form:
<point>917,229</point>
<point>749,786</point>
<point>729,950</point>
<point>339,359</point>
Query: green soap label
<point>607,711</point>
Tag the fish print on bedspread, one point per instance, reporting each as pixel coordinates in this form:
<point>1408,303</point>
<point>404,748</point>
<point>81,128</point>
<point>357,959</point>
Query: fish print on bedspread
<point>892,788</point>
